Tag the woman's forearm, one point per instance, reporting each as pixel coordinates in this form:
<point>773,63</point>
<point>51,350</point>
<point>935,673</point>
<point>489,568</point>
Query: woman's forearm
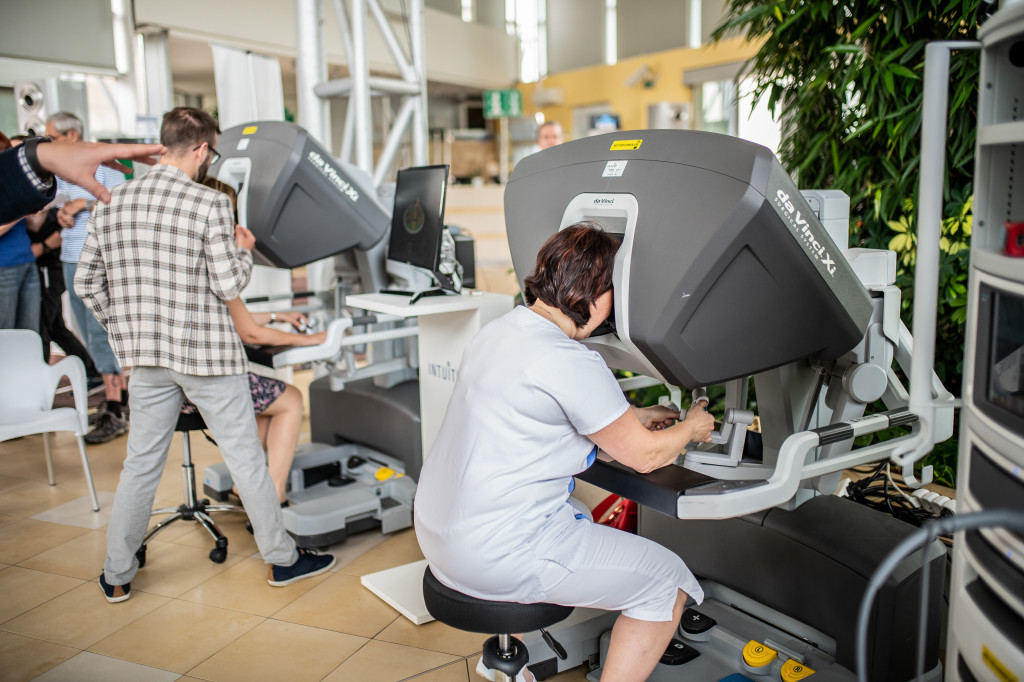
<point>628,442</point>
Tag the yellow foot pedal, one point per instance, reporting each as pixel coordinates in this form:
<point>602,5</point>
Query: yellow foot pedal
<point>757,655</point>
<point>793,671</point>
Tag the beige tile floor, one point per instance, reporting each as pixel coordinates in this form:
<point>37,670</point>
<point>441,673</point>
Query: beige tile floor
<point>188,618</point>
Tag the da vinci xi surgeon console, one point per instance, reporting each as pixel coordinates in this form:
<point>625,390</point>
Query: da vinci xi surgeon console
<point>726,274</point>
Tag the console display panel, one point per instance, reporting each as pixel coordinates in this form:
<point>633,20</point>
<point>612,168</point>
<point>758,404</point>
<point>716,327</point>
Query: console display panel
<point>418,216</point>
<point>999,373</point>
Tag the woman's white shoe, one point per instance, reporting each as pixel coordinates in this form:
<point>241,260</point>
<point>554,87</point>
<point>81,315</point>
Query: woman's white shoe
<point>489,674</point>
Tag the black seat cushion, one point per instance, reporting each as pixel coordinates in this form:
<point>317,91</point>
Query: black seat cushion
<point>190,422</point>
<point>463,612</point>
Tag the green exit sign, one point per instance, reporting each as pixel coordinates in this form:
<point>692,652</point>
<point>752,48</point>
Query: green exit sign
<point>503,104</point>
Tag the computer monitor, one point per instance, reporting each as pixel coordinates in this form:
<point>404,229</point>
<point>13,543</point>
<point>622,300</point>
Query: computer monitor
<point>604,123</point>
<point>418,218</point>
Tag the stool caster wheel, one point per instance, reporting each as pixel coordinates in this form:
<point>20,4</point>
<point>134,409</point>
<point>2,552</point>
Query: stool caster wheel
<point>141,556</point>
<point>219,553</point>
<point>248,526</point>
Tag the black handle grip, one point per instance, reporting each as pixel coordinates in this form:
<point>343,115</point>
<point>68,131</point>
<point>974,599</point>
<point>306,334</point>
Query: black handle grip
<point>554,644</point>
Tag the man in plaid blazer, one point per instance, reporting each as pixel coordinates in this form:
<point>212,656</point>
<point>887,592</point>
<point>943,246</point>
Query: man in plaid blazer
<point>159,263</point>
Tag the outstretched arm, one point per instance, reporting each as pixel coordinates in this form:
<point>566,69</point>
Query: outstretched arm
<point>253,333</point>
<point>77,161</point>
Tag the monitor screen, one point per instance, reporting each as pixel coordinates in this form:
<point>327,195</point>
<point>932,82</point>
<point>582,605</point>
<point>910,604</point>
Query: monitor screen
<point>999,365</point>
<point>605,123</point>
<point>419,216</point>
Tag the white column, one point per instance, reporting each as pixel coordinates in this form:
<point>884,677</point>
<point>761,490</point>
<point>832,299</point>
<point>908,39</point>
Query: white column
<point>359,100</point>
<point>124,59</point>
<point>311,69</point>
<point>419,64</point>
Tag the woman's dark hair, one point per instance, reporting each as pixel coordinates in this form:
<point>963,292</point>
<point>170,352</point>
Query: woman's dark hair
<point>187,127</point>
<point>220,186</point>
<point>574,267</point>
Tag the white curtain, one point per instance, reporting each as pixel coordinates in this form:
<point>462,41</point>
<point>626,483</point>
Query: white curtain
<point>248,86</point>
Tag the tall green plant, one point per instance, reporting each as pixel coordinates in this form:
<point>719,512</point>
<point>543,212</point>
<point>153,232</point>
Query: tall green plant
<point>845,81</point>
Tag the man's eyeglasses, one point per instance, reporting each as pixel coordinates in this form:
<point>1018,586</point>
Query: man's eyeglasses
<point>216,156</point>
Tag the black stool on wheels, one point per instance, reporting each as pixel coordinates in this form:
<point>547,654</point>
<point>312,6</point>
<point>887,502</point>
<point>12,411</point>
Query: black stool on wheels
<point>502,653</point>
<point>192,509</point>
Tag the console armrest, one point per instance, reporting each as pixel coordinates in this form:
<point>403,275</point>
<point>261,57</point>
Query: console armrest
<point>281,356</point>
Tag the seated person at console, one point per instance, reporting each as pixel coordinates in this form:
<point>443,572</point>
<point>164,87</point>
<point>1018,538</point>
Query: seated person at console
<point>530,409</point>
<point>278,405</point>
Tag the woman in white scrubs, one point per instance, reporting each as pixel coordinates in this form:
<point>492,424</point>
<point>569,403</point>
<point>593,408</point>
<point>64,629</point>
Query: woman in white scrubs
<point>530,408</point>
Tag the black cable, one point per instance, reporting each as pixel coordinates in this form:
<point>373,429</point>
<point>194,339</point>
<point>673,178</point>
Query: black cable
<point>881,491</point>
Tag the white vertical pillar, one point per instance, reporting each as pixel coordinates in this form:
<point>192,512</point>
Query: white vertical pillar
<point>124,59</point>
<point>695,33</point>
<point>314,112</point>
<point>359,100</point>
<point>311,68</point>
<point>419,63</point>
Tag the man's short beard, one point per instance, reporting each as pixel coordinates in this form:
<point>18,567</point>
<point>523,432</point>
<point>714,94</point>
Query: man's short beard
<point>201,171</point>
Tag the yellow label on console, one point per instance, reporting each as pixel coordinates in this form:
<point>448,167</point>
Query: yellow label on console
<point>793,671</point>
<point>996,666</point>
<point>249,130</point>
<point>619,145</point>
<point>758,655</point>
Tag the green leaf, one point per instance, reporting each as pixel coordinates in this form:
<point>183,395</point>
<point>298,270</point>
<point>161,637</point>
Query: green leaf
<point>845,81</point>
<point>900,70</point>
<point>841,48</point>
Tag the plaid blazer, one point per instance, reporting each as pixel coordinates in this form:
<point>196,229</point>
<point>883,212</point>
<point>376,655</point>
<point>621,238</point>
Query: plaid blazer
<point>158,263</point>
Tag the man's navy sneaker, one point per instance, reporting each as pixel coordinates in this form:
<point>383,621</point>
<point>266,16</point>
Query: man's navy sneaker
<point>115,593</point>
<point>307,565</point>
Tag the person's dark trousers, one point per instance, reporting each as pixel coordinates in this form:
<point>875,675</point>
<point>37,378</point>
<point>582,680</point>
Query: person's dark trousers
<point>51,319</point>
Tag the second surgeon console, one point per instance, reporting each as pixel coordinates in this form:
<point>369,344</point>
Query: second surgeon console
<point>304,205</point>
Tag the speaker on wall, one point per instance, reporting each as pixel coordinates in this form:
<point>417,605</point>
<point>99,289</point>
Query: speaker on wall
<point>36,99</point>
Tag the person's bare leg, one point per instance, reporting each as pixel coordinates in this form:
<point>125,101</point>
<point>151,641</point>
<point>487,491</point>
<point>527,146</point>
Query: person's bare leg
<point>262,426</point>
<point>282,436</point>
<point>637,645</point>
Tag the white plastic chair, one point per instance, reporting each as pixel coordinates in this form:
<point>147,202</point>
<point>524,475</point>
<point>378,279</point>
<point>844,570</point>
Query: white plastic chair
<point>26,401</point>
